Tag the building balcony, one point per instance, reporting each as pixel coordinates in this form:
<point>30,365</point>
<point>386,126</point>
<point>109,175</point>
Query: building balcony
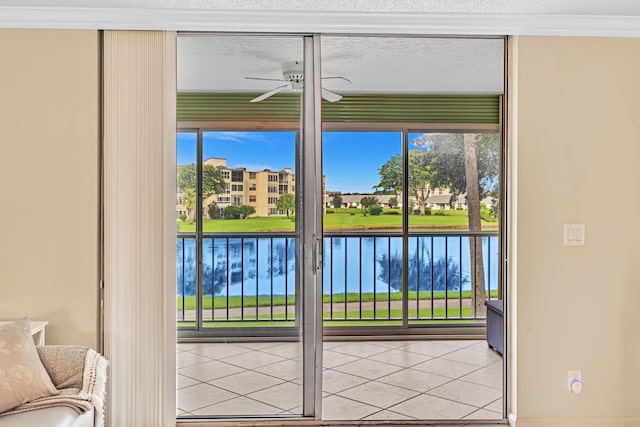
<point>250,279</point>
<point>249,285</point>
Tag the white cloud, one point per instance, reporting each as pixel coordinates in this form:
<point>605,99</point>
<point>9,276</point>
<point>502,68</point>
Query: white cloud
<point>236,136</point>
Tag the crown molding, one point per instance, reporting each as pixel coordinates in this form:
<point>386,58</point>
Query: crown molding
<point>269,21</point>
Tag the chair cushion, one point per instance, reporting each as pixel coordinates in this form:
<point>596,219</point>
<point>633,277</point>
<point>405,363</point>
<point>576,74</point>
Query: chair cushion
<point>56,416</point>
<point>22,376</point>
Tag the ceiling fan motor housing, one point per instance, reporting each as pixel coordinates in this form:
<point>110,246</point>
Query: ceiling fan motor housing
<point>293,72</point>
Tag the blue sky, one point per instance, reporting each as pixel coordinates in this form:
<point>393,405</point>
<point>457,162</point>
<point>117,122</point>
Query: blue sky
<point>350,159</point>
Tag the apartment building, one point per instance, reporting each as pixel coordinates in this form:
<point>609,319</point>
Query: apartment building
<point>259,189</point>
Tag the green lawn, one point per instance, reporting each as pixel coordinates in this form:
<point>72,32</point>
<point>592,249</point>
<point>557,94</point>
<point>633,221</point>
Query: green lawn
<point>354,220</point>
<point>425,313</point>
<point>341,219</point>
<point>273,223</point>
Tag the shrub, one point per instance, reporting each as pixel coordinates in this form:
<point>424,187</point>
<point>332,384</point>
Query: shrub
<point>391,213</point>
<point>427,211</point>
<point>375,210</point>
<point>439,213</point>
<point>238,212</point>
<point>183,217</point>
<point>352,213</point>
<point>247,210</point>
<point>213,210</point>
<point>487,214</point>
<point>329,211</point>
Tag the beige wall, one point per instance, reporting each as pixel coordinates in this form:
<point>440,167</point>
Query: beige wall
<point>578,143</point>
<point>49,180</point>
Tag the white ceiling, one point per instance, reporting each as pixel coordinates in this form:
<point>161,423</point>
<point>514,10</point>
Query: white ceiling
<point>373,64</point>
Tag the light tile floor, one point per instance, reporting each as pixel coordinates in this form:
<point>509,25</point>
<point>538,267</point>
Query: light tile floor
<point>370,380</point>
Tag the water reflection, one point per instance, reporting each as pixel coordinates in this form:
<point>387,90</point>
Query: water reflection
<point>266,265</point>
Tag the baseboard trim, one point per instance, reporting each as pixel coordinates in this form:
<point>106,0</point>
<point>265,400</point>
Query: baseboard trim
<point>578,422</point>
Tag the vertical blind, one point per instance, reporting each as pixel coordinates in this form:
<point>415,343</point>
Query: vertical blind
<point>139,225</point>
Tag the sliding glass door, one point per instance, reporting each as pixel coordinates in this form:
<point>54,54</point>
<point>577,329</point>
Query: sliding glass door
<point>363,219</point>
<point>380,221</point>
<point>247,251</point>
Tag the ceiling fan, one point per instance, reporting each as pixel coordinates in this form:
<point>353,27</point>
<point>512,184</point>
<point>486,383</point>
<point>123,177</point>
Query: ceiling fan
<point>293,75</point>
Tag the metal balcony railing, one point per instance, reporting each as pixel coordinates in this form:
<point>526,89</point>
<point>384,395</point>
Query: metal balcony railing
<point>251,277</point>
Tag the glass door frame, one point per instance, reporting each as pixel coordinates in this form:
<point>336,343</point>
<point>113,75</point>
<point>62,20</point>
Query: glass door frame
<point>311,252</point>
<point>198,332</point>
<point>406,328</point>
<point>308,325</point>
<point>311,167</point>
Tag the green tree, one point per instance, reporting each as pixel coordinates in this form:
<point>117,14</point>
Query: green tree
<point>286,203</point>
<point>393,202</point>
<point>390,176</point>
<point>336,201</point>
<point>212,180</point>
<point>467,163</point>
<point>366,202</point>
<point>421,176</point>
<point>189,202</point>
<point>447,154</point>
<point>186,177</point>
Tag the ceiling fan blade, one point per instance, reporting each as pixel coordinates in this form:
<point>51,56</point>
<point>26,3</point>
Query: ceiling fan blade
<point>268,80</point>
<point>270,93</point>
<point>336,78</point>
<point>330,96</point>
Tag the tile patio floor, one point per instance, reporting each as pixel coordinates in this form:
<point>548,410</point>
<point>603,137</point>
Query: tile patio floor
<point>381,380</point>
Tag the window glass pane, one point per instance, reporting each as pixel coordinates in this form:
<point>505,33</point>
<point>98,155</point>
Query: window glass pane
<point>244,303</point>
<point>453,245</point>
<point>362,222</point>
<point>186,149</point>
<point>252,187</point>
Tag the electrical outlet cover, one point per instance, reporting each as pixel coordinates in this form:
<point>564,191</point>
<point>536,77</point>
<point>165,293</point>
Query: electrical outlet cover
<point>573,374</point>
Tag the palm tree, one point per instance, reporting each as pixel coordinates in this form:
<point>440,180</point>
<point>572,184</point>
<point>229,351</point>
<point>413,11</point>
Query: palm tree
<point>189,202</point>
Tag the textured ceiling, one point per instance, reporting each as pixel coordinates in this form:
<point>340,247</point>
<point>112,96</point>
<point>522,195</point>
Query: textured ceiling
<point>373,64</point>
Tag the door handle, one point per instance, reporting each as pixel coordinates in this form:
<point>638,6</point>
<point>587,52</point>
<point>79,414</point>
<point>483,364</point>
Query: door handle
<point>319,250</point>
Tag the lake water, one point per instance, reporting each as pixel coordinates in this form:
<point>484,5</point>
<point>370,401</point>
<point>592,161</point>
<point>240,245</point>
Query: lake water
<point>265,265</point>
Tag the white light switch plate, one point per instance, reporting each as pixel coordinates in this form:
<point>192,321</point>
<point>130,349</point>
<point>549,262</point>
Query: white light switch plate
<point>574,234</point>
